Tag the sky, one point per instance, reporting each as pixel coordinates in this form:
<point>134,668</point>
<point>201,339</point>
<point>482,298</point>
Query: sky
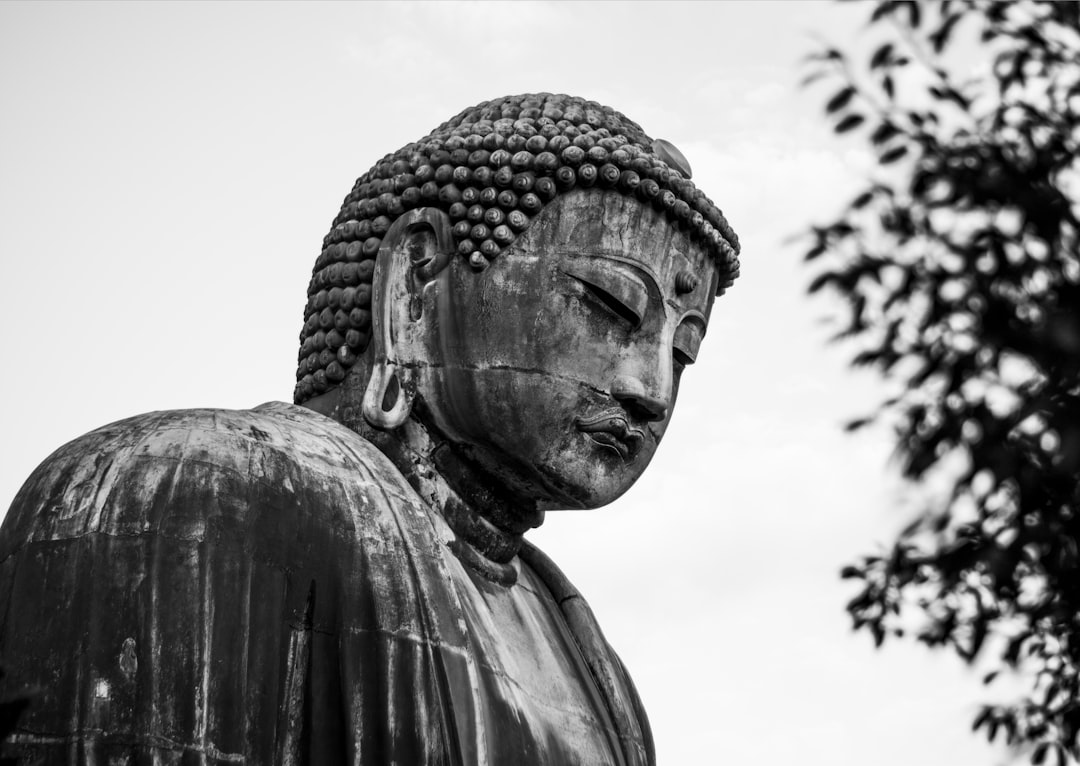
<point>168,171</point>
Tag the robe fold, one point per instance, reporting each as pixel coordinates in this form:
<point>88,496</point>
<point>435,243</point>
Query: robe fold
<point>264,587</point>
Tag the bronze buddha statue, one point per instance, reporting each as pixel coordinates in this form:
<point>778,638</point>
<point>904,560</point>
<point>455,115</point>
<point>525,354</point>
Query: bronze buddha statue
<point>495,328</point>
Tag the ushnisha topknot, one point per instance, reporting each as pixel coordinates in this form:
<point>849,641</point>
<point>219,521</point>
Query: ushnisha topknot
<point>491,168</point>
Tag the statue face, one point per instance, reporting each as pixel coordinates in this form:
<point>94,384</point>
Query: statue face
<point>557,367</point>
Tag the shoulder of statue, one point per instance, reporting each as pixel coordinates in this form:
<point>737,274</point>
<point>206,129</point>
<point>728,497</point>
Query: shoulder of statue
<point>226,439</point>
<point>178,470</point>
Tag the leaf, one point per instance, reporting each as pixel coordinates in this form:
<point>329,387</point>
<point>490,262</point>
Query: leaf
<point>977,639</point>
<point>914,16</point>
<point>850,122</point>
<point>947,162</point>
<point>881,55</point>
<point>883,9</point>
<point>862,200</point>
<point>859,604</point>
<point>921,182</point>
<point>820,281</point>
<point>857,423</point>
<point>840,100</point>
<point>948,93</point>
<point>940,38</point>
<point>829,54</point>
<point>851,572</point>
<point>1011,655</point>
<point>1040,753</point>
<point>893,155</point>
<point>883,133</point>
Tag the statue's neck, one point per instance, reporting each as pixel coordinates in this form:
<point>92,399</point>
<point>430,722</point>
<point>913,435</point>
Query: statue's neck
<point>488,523</point>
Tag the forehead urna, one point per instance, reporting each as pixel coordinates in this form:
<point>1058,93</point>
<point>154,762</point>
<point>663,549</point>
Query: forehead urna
<point>493,169</point>
<point>559,364</point>
<point>497,322</point>
<point>541,323</point>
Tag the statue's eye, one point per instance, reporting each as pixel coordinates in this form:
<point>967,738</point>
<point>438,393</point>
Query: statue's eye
<point>619,291</point>
<point>687,340</point>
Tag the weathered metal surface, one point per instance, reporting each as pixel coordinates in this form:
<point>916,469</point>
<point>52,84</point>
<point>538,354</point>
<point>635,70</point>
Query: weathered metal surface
<point>491,169</point>
<point>557,367</point>
<point>256,587</point>
<point>283,586</point>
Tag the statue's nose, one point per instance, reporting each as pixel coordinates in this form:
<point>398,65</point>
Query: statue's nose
<point>640,402</point>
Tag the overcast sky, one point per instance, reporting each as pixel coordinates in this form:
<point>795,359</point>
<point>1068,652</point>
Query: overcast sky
<point>168,171</point>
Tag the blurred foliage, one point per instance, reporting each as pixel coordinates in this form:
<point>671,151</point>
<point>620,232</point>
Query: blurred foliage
<point>960,278</point>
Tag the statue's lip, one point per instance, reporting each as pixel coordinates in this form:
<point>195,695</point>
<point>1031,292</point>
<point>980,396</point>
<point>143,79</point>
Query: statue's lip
<point>611,430</point>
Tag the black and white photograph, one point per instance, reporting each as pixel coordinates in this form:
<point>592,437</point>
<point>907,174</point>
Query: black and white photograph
<point>540,383</point>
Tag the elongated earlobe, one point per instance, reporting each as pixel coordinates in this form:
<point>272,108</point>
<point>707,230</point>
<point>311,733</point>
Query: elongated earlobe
<point>408,259</point>
<point>387,404</point>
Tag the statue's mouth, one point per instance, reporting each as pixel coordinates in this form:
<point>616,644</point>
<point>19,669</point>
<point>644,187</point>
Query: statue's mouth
<point>611,430</point>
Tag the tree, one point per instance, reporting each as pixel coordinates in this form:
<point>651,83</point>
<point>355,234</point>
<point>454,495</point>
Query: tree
<point>959,273</point>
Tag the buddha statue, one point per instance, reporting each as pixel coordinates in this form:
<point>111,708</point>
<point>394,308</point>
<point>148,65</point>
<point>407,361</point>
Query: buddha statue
<point>496,327</point>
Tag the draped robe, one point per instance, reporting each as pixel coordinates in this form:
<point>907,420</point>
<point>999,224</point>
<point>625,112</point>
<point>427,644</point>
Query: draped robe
<point>263,586</point>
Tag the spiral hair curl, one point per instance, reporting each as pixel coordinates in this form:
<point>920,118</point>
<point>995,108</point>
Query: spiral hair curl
<point>492,168</point>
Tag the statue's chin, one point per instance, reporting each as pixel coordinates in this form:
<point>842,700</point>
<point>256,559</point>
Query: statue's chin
<point>576,473</point>
<point>592,473</point>
<point>592,499</point>
<point>599,495</point>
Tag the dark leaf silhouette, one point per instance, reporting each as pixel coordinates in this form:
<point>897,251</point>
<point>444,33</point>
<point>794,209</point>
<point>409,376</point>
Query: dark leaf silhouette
<point>881,55</point>
<point>883,9</point>
<point>888,85</point>
<point>892,155</point>
<point>940,38</point>
<point>849,572</point>
<point>840,100</point>
<point>1040,753</point>
<point>858,203</point>
<point>884,132</point>
<point>958,273</point>
<point>914,14</point>
<point>850,122</point>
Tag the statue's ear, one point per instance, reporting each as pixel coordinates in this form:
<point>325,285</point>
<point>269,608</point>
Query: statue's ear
<point>416,247</point>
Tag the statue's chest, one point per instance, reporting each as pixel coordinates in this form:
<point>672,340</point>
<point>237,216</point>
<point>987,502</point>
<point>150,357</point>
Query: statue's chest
<point>539,701</point>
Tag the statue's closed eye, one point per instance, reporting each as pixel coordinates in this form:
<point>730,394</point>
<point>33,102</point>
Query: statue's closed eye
<point>623,294</point>
<point>687,340</point>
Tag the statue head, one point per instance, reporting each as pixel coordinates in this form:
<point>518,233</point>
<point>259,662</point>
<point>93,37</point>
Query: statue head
<point>529,281</point>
